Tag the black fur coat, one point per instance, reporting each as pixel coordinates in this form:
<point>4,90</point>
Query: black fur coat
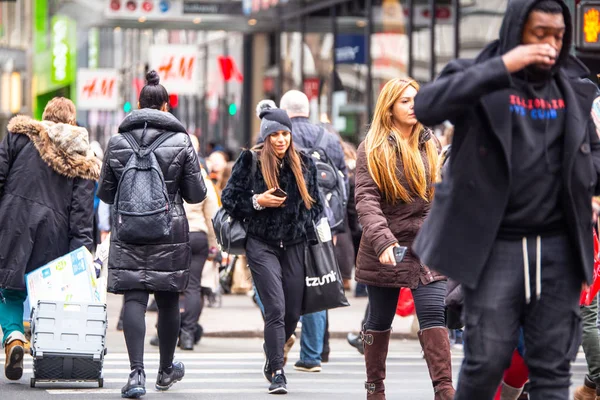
<point>284,225</point>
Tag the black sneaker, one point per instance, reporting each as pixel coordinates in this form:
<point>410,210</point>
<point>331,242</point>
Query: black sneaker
<point>278,386</point>
<point>186,340</point>
<point>136,385</point>
<point>267,373</point>
<point>154,341</point>
<point>169,377</point>
<point>307,367</point>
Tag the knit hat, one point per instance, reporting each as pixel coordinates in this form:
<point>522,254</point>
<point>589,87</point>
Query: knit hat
<point>264,105</point>
<point>272,121</point>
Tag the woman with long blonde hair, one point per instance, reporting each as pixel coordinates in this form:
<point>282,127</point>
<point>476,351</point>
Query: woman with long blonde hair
<point>395,173</point>
<point>274,187</point>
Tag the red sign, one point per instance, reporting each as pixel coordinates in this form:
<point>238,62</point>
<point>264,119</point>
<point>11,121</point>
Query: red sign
<point>311,88</point>
<point>97,89</point>
<point>229,69</point>
<point>177,66</point>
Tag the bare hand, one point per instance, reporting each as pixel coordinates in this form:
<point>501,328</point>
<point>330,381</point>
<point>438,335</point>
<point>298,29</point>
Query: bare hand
<point>527,54</point>
<point>103,235</point>
<point>267,199</point>
<point>595,209</point>
<point>387,257</point>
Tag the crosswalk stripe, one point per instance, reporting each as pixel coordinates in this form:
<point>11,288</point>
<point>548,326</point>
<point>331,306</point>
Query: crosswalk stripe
<point>292,380</point>
<point>174,391</point>
<point>222,371</point>
<point>254,356</point>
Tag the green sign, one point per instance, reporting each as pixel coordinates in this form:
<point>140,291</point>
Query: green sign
<point>93,47</point>
<point>63,48</point>
<point>41,25</point>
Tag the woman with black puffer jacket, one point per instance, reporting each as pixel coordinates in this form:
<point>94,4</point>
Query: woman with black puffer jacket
<point>281,200</point>
<point>162,268</point>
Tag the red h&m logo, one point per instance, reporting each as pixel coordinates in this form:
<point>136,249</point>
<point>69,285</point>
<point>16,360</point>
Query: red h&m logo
<point>99,88</point>
<point>181,68</point>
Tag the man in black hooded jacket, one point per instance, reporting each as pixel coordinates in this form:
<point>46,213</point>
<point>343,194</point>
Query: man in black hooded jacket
<point>513,219</point>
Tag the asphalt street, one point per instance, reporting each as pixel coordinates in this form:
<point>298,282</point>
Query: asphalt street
<point>230,369</point>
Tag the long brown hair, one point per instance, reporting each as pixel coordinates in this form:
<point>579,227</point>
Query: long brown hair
<point>381,152</point>
<point>269,166</point>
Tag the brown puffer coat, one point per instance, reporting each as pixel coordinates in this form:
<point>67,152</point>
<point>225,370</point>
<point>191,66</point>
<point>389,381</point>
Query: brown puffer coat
<point>385,224</point>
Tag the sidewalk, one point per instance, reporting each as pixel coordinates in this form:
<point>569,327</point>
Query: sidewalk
<point>239,317</point>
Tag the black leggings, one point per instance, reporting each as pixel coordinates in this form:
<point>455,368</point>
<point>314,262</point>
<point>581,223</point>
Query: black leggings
<point>134,326</point>
<point>429,304</point>
<point>278,274</point>
<point>193,301</point>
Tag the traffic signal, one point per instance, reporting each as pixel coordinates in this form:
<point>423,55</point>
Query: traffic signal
<point>173,100</point>
<point>232,109</point>
<point>127,107</point>
<point>588,26</point>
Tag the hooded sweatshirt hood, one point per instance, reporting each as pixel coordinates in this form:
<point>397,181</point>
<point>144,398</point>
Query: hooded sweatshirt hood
<point>513,24</point>
<point>64,148</point>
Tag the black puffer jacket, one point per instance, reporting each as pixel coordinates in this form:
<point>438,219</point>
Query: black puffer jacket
<point>156,267</point>
<point>276,226</point>
<point>46,196</point>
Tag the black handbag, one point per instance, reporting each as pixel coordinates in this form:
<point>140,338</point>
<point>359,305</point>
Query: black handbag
<point>231,232</point>
<point>323,285</point>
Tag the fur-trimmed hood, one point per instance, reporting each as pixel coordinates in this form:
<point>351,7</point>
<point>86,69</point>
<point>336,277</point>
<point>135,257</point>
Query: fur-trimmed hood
<point>64,148</point>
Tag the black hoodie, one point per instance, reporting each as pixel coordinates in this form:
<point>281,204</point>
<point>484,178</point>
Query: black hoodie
<point>537,109</point>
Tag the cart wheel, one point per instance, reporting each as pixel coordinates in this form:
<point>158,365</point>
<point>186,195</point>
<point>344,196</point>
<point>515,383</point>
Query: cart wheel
<point>101,382</point>
<point>32,382</point>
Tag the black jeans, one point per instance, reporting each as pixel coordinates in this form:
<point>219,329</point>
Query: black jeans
<point>429,304</point>
<point>278,274</point>
<point>193,300</point>
<point>497,308</point>
<point>134,326</point>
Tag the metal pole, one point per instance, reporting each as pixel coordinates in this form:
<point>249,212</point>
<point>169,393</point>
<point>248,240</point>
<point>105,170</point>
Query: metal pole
<point>247,94</point>
<point>278,51</point>
<point>334,32</point>
<point>456,9</point>
<point>302,39</point>
<point>225,114</point>
<point>409,32</point>
<point>432,55</point>
<point>368,59</point>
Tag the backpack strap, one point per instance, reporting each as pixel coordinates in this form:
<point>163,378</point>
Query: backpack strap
<point>320,137</point>
<point>254,166</point>
<point>134,145</point>
<point>161,139</point>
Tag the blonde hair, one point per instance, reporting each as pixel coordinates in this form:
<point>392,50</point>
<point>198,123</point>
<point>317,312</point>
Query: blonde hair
<point>382,152</point>
<point>60,110</point>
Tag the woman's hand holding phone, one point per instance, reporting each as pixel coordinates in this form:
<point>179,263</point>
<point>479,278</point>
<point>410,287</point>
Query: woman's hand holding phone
<point>387,257</point>
<point>268,199</point>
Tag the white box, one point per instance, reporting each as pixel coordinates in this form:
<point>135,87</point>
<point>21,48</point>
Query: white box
<point>70,278</point>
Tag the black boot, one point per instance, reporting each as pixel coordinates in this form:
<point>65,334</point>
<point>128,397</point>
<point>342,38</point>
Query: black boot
<point>169,377</point>
<point>136,385</point>
<point>198,333</point>
<point>356,342</point>
<point>186,340</point>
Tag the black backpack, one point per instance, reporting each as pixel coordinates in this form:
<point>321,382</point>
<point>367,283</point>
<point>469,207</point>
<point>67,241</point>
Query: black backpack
<point>332,186</point>
<point>142,205</point>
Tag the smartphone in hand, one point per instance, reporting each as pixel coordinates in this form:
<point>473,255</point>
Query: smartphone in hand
<point>279,193</point>
<point>399,253</point>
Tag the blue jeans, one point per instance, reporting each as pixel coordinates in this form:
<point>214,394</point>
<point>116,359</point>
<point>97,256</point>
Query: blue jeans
<point>311,341</point>
<point>11,311</point>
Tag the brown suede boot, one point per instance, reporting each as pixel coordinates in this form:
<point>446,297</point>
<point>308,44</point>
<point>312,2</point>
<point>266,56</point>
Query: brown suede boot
<point>15,351</point>
<point>376,349</point>
<point>587,391</point>
<point>436,347</point>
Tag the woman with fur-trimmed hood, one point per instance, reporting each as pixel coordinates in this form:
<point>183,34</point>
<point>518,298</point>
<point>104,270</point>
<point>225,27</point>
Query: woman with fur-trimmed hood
<point>47,171</point>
